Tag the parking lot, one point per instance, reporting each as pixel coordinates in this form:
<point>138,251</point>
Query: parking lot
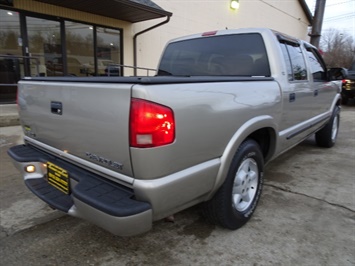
<point>306,216</point>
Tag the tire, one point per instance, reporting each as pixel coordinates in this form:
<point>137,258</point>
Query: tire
<point>326,137</point>
<point>235,201</point>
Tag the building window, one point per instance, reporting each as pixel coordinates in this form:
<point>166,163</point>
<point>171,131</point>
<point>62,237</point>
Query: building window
<point>85,50</point>
<point>10,36</point>
<point>11,61</point>
<point>53,46</point>
<point>44,47</point>
<point>79,48</point>
<point>108,51</point>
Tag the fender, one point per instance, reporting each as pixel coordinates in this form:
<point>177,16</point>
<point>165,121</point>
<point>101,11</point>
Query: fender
<point>240,135</point>
<point>336,102</point>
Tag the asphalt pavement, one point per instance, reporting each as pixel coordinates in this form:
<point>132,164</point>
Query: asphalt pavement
<point>306,216</point>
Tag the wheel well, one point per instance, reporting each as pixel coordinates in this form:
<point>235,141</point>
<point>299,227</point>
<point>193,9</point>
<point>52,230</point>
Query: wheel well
<point>265,137</point>
<point>338,102</point>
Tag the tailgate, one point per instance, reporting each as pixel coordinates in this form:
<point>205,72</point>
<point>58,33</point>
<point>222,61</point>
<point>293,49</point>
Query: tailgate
<point>88,120</point>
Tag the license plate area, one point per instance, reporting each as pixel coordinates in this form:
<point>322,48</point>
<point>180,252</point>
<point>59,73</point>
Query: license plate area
<point>58,177</point>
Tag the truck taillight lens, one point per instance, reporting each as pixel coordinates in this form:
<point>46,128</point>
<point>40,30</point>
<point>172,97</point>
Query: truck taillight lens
<point>151,124</point>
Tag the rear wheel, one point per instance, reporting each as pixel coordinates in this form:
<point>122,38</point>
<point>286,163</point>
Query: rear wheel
<point>326,137</point>
<point>236,200</point>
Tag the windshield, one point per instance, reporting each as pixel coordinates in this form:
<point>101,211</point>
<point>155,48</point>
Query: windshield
<point>225,55</point>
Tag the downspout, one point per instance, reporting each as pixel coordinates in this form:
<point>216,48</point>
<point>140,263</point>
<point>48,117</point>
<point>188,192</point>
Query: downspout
<point>317,22</point>
<point>135,41</point>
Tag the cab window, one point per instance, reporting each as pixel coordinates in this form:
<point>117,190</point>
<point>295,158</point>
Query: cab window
<point>295,63</point>
<point>317,67</point>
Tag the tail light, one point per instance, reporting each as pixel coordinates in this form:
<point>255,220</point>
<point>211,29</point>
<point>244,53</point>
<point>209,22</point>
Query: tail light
<point>209,33</point>
<point>151,124</point>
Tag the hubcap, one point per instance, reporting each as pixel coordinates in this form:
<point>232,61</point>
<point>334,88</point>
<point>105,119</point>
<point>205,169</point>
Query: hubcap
<point>245,185</point>
<point>335,128</point>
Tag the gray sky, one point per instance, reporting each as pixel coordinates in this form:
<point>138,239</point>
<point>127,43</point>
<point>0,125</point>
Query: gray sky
<point>339,14</point>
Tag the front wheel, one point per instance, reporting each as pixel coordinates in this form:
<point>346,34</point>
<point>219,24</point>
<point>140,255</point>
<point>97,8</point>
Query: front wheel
<point>236,200</point>
<point>326,137</point>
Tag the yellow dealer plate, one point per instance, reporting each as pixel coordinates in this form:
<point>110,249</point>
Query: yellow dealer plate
<point>58,177</point>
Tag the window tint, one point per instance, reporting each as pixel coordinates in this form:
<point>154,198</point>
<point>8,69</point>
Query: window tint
<point>316,65</point>
<point>287,61</point>
<point>294,61</point>
<point>227,55</point>
<point>298,63</point>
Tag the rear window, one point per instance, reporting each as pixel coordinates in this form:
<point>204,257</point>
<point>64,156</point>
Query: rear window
<point>226,55</point>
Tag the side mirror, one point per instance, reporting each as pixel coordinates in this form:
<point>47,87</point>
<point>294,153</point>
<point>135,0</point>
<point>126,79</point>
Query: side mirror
<point>337,73</point>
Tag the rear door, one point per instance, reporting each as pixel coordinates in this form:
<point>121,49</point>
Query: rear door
<point>323,90</point>
<point>297,94</point>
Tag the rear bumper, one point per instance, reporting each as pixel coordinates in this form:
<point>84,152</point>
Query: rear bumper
<point>104,203</point>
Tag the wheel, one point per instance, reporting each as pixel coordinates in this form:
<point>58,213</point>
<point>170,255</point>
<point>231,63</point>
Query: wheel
<point>326,137</point>
<point>235,201</point>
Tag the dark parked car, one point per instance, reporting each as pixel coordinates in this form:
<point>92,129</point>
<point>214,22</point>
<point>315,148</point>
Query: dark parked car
<point>348,85</point>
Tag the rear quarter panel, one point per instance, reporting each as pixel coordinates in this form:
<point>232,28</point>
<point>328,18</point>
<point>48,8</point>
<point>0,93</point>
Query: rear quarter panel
<point>207,115</point>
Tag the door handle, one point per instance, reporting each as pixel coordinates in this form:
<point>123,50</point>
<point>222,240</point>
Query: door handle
<point>292,97</point>
<point>57,108</point>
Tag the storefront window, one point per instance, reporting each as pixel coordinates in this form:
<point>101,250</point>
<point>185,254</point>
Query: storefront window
<point>108,52</point>
<point>11,61</point>
<point>45,49</point>
<point>85,50</point>
<point>80,49</point>
<point>10,36</point>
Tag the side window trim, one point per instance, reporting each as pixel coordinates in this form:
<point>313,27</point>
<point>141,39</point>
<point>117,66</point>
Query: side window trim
<point>287,60</point>
<point>315,53</point>
<point>287,40</point>
<point>288,44</point>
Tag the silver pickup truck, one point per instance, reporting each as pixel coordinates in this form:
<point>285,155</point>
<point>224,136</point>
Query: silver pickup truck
<point>123,152</point>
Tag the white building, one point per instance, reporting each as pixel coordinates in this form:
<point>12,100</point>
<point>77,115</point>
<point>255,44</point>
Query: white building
<point>193,16</point>
<point>90,38</point>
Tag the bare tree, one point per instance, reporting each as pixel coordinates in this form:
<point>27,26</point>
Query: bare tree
<point>338,48</point>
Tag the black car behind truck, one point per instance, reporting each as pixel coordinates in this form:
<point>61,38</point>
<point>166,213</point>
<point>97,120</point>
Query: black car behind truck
<point>348,85</point>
